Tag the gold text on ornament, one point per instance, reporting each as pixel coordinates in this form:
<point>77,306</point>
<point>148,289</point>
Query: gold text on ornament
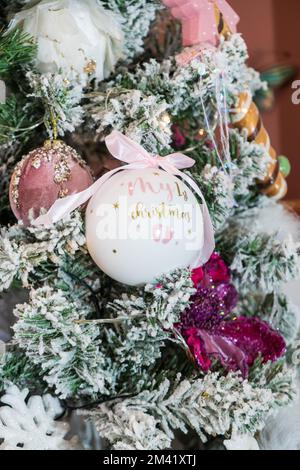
<point>162,211</point>
<point>157,188</point>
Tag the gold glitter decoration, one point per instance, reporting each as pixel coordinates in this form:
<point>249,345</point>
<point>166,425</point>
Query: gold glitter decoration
<point>52,144</point>
<point>16,181</point>
<point>116,205</point>
<point>90,67</point>
<point>205,395</point>
<point>36,163</point>
<point>63,193</point>
<point>62,171</point>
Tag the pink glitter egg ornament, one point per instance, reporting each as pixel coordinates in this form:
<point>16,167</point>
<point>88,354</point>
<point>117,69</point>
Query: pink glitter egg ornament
<point>44,175</point>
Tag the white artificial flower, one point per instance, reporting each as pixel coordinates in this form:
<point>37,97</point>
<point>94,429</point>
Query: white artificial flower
<point>241,442</point>
<point>73,36</point>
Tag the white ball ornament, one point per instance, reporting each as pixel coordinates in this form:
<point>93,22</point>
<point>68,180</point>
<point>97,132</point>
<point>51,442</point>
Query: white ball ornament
<point>142,220</point>
<point>143,223</point>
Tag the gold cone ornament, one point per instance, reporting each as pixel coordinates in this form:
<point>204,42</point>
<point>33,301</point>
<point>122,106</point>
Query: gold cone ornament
<point>247,116</point>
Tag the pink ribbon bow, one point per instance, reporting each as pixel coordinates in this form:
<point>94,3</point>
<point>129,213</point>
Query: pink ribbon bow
<point>198,19</point>
<point>136,157</point>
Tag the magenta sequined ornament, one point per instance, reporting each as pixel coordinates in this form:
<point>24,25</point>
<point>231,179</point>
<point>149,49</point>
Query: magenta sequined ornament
<point>217,269</point>
<point>44,175</point>
<point>197,276</point>
<point>236,343</point>
<point>210,305</point>
<point>215,298</point>
<point>210,332</point>
<point>255,338</point>
<point>179,138</point>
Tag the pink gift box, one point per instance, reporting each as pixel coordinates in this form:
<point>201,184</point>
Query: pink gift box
<point>198,19</point>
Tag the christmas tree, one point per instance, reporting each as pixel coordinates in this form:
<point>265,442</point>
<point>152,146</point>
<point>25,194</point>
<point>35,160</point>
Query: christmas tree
<point>153,294</point>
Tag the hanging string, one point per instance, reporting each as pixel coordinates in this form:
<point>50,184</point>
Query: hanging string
<point>223,150</point>
<point>54,122</point>
<point>210,131</point>
<point>221,102</point>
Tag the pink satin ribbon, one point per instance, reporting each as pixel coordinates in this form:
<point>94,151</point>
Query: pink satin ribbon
<point>198,19</point>
<point>136,157</point>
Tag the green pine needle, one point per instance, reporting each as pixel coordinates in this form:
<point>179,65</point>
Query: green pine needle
<point>16,48</point>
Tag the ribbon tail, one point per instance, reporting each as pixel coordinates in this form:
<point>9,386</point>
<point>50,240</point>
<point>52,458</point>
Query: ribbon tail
<point>230,16</point>
<point>178,161</point>
<point>209,238</point>
<point>125,149</point>
<point>200,26</point>
<point>63,207</point>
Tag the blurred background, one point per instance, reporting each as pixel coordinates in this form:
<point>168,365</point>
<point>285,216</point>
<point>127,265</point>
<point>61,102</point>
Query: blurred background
<point>271,29</point>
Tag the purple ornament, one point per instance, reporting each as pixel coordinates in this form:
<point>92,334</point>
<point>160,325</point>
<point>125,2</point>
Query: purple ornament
<point>210,305</point>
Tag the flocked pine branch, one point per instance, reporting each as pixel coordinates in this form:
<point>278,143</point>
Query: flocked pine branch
<point>19,119</point>
<point>58,331</point>
<point>24,249</point>
<point>140,117</point>
<point>15,367</point>
<point>258,261</point>
<point>60,100</point>
<point>137,18</point>
<point>67,351</point>
<point>77,334</point>
<point>213,406</point>
<point>218,189</point>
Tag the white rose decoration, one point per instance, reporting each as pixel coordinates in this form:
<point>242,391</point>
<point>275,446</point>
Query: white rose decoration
<point>73,35</point>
